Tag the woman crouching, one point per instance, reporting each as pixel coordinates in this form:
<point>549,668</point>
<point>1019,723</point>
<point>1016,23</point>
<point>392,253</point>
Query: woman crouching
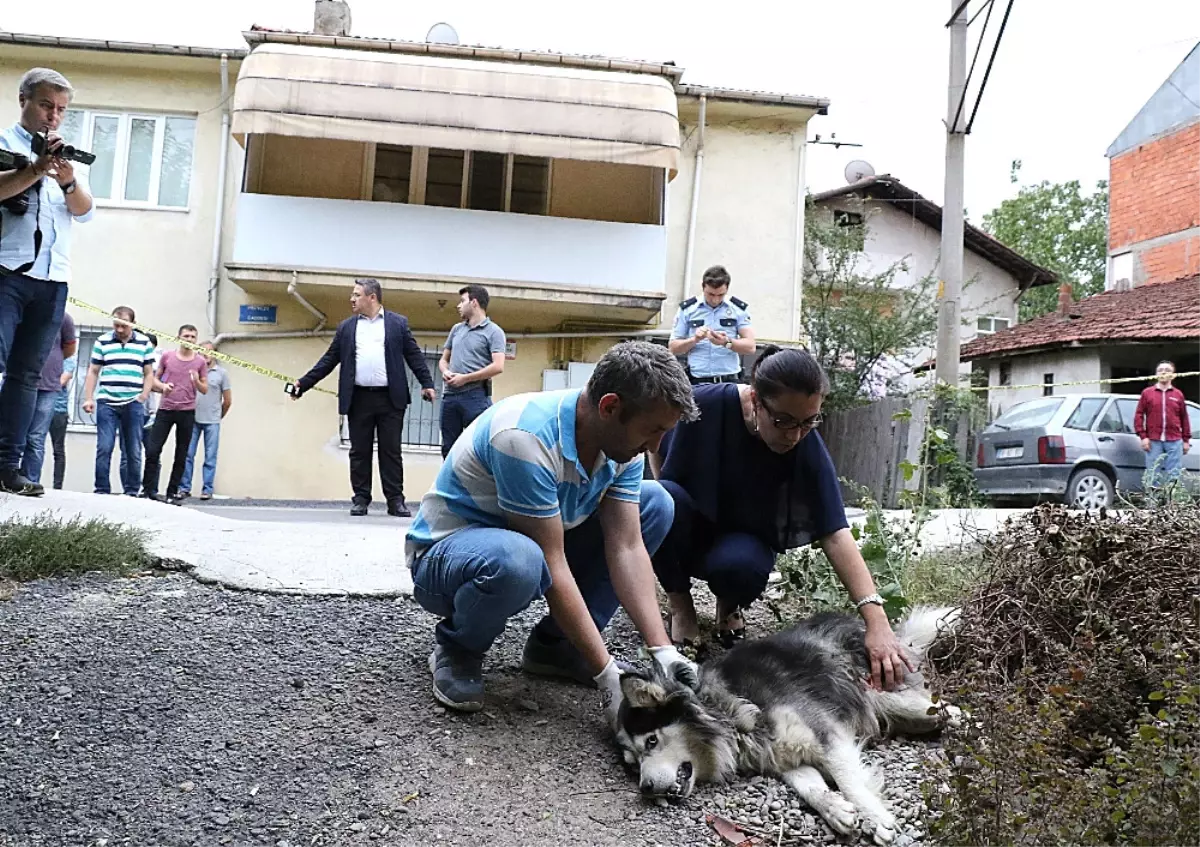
<point>750,479</point>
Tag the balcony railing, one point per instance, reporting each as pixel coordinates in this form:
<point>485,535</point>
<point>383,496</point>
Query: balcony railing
<point>432,242</point>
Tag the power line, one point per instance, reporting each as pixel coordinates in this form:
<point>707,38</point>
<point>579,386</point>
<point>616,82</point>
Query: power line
<point>988,71</point>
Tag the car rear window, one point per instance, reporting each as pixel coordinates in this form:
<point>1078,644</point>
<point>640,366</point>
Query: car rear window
<point>1085,413</point>
<point>1029,414</point>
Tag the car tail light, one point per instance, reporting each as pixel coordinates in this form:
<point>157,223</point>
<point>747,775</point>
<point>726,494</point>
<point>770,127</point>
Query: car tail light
<point>979,455</point>
<point>1052,450</point>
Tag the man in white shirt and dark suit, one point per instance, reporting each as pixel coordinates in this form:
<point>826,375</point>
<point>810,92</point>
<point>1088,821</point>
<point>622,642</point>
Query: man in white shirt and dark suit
<point>372,347</point>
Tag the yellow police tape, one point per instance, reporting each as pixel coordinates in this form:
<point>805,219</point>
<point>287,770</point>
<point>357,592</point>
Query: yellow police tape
<point>267,372</point>
<point>215,354</point>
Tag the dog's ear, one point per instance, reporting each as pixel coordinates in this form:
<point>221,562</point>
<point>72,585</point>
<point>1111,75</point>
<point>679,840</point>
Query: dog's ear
<point>642,692</point>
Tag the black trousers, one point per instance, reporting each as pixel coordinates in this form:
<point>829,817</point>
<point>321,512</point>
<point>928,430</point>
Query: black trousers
<point>736,565</point>
<point>182,420</point>
<point>58,439</point>
<point>372,416</point>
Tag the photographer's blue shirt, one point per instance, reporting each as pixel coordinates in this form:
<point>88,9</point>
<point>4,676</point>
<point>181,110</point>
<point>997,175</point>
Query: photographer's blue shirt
<point>48,207</point>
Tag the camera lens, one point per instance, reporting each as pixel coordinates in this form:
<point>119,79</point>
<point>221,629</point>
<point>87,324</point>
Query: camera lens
<point>66,150</point>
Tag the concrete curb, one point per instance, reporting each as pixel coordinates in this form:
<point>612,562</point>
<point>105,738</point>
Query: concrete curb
<point>309,558</point>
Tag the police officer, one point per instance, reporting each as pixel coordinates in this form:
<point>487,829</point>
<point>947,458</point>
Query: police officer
<point>713,332</point>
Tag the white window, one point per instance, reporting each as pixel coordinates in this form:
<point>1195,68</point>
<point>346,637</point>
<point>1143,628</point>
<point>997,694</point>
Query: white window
<point>988,324</point>
<point>461,179</point>
<point>1120,271</point>
<point>144,161</point>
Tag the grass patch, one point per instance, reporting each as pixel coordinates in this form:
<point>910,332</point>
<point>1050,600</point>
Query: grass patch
<point>48,546</point>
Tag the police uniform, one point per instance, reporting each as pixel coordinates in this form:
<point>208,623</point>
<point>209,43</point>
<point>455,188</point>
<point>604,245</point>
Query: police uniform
<point>708,362</point>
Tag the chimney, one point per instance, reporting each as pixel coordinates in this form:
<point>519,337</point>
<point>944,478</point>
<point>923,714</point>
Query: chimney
<point>331,17</point>
<point>1065,301</point>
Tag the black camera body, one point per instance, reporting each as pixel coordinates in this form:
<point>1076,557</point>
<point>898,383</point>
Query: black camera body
<point>40,142</point>
<point>18,204</point>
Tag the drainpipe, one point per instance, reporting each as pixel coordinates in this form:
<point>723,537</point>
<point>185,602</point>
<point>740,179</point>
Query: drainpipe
<point>316,332</point>
<point>313,310</point>
<point>798,257</point>
<point>214,276</point>
<point>689,255</point>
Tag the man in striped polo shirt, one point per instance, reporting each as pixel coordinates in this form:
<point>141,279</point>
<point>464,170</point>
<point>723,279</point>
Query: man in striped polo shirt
<point>120,378</point>
<point>543,495</point>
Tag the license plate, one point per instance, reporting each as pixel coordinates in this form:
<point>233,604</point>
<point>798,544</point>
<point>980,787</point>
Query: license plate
<point>1010,452</point>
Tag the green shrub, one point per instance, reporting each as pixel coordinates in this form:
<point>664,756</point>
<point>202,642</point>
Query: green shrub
<point>48,546</point>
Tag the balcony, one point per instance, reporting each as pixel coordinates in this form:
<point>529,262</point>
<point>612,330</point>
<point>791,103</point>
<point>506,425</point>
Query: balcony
<point>540,270</point>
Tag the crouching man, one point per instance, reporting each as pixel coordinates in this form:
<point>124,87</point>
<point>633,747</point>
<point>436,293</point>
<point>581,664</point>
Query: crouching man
<point>543,495</point>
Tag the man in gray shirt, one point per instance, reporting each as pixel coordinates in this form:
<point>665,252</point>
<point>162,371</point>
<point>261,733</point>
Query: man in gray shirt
<point>474,354</point>
<point>210,409</point>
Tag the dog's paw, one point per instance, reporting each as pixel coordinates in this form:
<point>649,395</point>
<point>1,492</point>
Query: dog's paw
<point>880,833</point>
<point>838,812</point>
<point>745,716</point>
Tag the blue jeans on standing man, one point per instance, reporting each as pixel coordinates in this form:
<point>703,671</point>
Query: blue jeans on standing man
<point>212,440</point>
<point>1165,461</point>
<point>125,421</point>
<point>459,409</point>
<point>479,577</point>
<point>31,314</point>
<point>35,441</point>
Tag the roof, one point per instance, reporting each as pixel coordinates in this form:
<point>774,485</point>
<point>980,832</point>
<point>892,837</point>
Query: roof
<point>266,35</point>
<point>1168,109</point>
<point>891,190</point>
<point>120,46</point>
<point>1168,311</point>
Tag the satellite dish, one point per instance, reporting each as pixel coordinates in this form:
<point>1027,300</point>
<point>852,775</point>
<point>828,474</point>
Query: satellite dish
<point>859,170</point>
<point>441,33</point>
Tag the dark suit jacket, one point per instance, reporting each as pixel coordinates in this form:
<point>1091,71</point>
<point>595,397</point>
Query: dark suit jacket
<point>399,347</point>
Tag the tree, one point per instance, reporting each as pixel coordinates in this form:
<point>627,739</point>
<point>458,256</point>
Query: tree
<point>860,322</point>
<point>1059,227</point>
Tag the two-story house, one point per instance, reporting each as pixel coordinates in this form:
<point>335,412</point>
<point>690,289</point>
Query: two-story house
<point>587,194</point>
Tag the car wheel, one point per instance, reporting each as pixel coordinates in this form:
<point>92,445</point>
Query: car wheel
<point>1090,489</point>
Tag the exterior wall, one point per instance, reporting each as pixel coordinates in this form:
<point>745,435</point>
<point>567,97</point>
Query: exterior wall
<point>1154,208</point>
<point>1066,365</point>
<point>308,167</point>
<point>601,191</point>
<point>746,221</point>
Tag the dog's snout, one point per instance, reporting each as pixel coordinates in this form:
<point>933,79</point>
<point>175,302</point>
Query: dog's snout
<point>647,787</point>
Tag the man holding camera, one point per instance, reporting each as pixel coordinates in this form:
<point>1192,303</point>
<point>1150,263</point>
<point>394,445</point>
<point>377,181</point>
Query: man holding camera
<point>40,197</point>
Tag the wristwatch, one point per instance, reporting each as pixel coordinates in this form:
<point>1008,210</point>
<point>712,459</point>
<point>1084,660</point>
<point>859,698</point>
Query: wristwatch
<point>870,598</point>
<point>729,344</point>
<point>70,187</point>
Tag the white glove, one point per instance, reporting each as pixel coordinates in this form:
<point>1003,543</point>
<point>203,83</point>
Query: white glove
<point>677,666</point>
<point>609,683</point>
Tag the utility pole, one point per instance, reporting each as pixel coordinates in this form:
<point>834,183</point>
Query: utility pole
<point>950,286</point>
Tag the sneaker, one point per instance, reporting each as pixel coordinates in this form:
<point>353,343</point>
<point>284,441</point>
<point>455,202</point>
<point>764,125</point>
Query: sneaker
<point>183,495</point>
<point>457,678</point>
<point>13,481</point>
<point>559,660</point>
<point>207,495</point>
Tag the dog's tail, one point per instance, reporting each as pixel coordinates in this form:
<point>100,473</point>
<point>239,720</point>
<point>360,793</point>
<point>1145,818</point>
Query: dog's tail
<point>924,625</point>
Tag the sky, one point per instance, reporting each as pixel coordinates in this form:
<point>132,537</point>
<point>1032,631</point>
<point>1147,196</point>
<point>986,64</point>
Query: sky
<point>1069,74</point>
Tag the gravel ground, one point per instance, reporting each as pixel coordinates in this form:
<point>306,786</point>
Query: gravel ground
<point>158,711</point>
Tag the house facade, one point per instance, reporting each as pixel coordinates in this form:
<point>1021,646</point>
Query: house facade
<point>1154,186</point>
<point>244,190</point>
<point>904,227</point>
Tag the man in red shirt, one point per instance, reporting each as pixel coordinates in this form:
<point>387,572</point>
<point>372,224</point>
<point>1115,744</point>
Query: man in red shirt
<point>1161,421</point>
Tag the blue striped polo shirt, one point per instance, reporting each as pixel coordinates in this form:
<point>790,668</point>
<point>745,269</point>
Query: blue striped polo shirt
<point>122,367</point>
<point>519,457</point>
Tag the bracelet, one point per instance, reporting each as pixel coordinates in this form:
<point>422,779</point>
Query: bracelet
<point>870,598</point>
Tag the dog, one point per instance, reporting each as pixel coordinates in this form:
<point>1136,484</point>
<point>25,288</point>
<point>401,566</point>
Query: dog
<point>795,706</point>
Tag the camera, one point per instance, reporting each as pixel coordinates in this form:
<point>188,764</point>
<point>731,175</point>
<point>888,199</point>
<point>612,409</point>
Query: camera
<point>18,204</point>
<point>39,144</point>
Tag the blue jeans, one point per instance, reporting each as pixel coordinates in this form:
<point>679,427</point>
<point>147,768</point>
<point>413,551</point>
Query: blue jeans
<point>31,314</point>
<point>1169,467</point>
<point>212,440</point>
<point>458,410</point>
<point>479,577</point>
<point>126,421</point>
<point>35,441</point>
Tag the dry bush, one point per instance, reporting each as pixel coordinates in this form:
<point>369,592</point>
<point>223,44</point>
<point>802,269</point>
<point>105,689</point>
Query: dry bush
<point>1077,661</point>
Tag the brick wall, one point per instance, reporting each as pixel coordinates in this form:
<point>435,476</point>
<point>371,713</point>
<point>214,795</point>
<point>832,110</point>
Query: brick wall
<point>1167,262</point>
<point>1154,190</point>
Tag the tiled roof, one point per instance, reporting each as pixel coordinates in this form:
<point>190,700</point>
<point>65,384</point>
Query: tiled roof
<point>1169,310</point>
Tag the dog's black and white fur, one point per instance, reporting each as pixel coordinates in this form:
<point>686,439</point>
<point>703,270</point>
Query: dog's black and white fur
<point>795,706</point>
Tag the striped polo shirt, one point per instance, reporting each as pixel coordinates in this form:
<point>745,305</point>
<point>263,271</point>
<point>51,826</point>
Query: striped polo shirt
<point>122,367</point>
<point>519,457</point>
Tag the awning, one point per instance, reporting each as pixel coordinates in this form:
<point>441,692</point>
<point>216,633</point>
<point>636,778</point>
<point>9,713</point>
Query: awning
<point>462,104</point>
